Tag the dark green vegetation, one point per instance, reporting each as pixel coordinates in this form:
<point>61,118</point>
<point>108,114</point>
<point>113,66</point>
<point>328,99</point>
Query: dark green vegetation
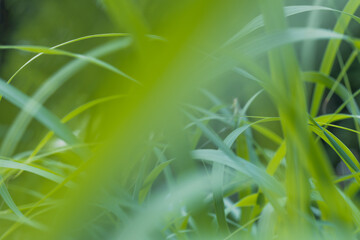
<point>191,119</point>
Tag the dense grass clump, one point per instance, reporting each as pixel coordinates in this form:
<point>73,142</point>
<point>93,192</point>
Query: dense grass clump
<point>192,119</point>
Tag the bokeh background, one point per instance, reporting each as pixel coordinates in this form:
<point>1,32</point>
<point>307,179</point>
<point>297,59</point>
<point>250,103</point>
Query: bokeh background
<point>142,118</point>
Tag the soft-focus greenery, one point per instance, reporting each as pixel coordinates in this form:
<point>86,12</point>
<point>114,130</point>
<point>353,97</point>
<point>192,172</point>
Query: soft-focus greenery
<point>191,119</point>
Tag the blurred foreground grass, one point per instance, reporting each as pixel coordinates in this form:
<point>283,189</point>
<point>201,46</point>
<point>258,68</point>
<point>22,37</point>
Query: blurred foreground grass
<point>193,119</point>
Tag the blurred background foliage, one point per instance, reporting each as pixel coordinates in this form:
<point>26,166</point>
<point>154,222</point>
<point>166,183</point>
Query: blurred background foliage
<point>145,123</point>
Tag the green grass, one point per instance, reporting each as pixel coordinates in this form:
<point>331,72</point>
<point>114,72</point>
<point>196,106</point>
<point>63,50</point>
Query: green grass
<point>193,119</point>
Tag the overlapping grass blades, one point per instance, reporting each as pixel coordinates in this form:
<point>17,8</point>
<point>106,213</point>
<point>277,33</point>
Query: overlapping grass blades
<point>50,86</point>
<point>180,167</point>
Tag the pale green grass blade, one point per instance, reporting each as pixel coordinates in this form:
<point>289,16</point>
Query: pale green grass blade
<point>167,171</point>
<point>104,35</point>
<point>246,168</point>
<point>268,133</point>
<point>218,197</point>
<point>231,138</point>
<point>249,102</point>
<point>149,180</point>
<point>248,201</point>
<point>265,42</point>
<point>38,111</point>
<point>340,90</point>
<point>329,118</point>
<point>330,54</point>
<point>226,157</point>
<point>258,22</point>
<point>32,169</point>
<point>8,199</point>
<point>21,122</point>
<point>14,218</point>
<point>347,177</point>
<point>276,160</point>
<point>53,51</point>
<point>243,227</point>
<point>45,198</point>
<point>341,75</point>
<point>42,115</point>
<point>188,190</point>
<point>211,114</point>
<point>217,102</point>
<point>53,151</point>
<point>325,124</point>
<point>67,118</point>
<point>340,148</point>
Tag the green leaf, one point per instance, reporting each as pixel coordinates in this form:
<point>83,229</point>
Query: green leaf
<point>104,35</point>
<point>28,168</point>
<point>21,122</point>
<point>265,42</point>
<point>38,111</point>
<point>151,178</point>
<point>248,201</point>
<point>218,197</point>
<point>67,118</point>
<point>258,175</point>
<point>330,54</point>
<point>8,199</point>
<point>340,90</point>
<point>53,51</point>
<point>258,21</point>
<point>276,160</point>
<point>340,148</point>
<point>231,138</point>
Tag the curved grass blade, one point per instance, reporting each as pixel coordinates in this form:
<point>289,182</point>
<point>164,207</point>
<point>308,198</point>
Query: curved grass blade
<point>340,148</point>
<point>66,181</point>
<point>249,102</point>
<point>53,51</point>
<point>224,156</point>
<point>44,116</point>
<point>329,118</point>
<point>32,169</point>
<point>248,169</point>
<point>340,90</point>
<point>32,107</point>
<point>8,199</point>
<point>231,138</point>
<point>21,122</point>
<point>188,191</point>
<point>104,35</point>
<point>265,42</point>
<point>248,201</point>
<point>243,227</point>
<point>167,171</point>
<point>342,74</point>
<point>330,54</point>
<point>347,177</point>
<point>67,118</point>
<point>149,180</point>
<point>45,154</point>
<point>337,126</point>
<point>258,21</point>
<point>230,159</point>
